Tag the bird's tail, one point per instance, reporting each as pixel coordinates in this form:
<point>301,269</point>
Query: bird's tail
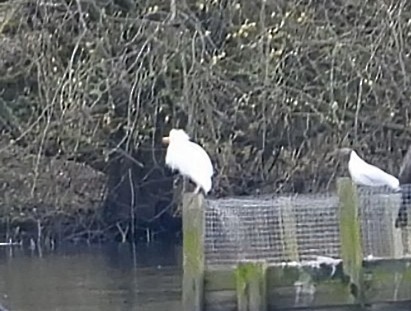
<point>207,185</point>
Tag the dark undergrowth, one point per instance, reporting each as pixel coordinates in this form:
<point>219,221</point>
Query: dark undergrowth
<point>269,88</point>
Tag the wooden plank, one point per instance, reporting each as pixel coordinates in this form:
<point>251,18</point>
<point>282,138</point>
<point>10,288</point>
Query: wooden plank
<point>283,276</point>
<point>291,286</point>
<point>224,300</point>
<point>387,280</point>
<point>350,236</point>
<point>307,286</point>
<point>219,280</point>
<point>251,286</point>
<point>406,239</point>
<point>392,203</point>
<point>193,252</point>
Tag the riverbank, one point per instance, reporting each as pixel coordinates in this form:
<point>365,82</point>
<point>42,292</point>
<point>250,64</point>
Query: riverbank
<point>41,197</point>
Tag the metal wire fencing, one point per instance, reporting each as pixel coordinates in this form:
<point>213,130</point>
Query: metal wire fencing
<point>298,227</point>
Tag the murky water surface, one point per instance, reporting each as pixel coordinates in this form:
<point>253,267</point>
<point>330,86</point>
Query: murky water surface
<point>105,278</point>
<point>97,278</point>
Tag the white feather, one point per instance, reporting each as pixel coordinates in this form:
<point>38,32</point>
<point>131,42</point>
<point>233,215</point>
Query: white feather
<point>366,174</point>
<point>190,159</point>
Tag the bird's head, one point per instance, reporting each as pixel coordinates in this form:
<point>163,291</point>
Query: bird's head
<point>342,152</point>
<point>176,135</point>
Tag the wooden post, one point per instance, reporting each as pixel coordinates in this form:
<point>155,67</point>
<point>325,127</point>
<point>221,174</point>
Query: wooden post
<point>394,240</point>
<point>350,236</point>
<point>406,239</point>
<point>288,231</point>
<point>193,252</point>
<point>251,286</point>
<point>383,209</point>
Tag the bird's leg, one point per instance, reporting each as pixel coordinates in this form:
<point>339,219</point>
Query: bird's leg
<point>197,190</point>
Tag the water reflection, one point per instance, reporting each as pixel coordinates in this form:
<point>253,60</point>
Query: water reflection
<point>96,278</point>
<point>105,278</point>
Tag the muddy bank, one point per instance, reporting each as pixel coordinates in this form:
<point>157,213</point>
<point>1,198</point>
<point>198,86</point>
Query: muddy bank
<point>43,197</point>
<point>50,199</point>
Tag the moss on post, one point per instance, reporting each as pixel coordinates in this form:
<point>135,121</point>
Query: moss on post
<point>350,236</point>
<point>251,286</point>
<point>193,252</point>
<point>405,234</point>
<point>288,231</point>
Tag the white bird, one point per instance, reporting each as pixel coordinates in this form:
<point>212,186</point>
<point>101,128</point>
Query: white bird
<point>365,174</point>
<point>190,159</point>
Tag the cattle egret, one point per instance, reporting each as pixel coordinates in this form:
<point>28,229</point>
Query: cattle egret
<point>365,174</point>
<point>405,179</point>
<point>190,159</point>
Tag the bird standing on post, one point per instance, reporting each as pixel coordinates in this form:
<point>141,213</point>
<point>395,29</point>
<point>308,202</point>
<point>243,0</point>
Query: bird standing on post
<point>365,174</point>
<point>405,181</point>
<point>190,159</point>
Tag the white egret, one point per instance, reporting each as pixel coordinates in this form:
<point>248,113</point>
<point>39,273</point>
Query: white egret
<point>365,174</point>
<point>190,159</point>
<point>405,179</point>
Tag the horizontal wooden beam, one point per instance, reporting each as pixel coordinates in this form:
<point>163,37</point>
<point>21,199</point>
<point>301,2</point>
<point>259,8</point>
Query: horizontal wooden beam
<point>290,286</point>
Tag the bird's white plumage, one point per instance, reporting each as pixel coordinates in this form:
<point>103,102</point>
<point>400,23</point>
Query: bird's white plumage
<point>366,174</point>
<point>190,159</point>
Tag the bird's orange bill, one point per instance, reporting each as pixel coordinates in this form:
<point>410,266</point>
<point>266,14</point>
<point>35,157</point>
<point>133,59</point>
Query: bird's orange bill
<point>166,140</point>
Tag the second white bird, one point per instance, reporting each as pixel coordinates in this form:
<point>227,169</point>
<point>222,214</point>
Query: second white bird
<point>365,174</point>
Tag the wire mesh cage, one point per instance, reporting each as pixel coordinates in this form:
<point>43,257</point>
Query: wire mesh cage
<point>378,212</point>
<point>298,227</point>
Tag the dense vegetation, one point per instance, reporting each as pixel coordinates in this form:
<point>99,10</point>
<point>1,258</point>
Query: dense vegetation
<point>269,88</point>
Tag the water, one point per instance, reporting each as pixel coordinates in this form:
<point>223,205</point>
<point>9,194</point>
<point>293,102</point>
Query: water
<point>97,278</point>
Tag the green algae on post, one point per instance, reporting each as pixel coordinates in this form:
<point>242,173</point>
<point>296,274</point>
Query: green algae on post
<point>251,286</point>
<point>193,252</point>
<point>350,236</point>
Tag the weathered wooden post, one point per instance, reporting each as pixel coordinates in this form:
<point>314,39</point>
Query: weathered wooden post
<point>251,286</point>
<point>350,236</point>
<point>406,239</point>
<point>288,231</point>
<point>394,239</point>
<point>193,252</point>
